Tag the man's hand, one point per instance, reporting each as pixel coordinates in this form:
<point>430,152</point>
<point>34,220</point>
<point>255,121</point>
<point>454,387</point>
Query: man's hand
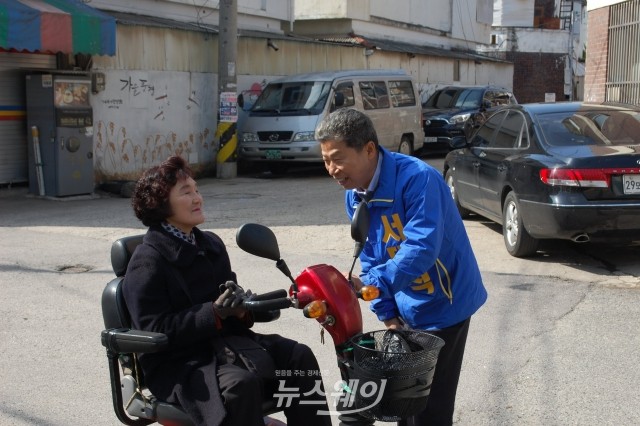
<point>357,284</point>
<point>394,324</point>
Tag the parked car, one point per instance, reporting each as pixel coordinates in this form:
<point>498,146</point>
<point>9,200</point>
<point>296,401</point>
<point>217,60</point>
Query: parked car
<point>458,110</point>
<point>280,127</point>
<point>558,170</point>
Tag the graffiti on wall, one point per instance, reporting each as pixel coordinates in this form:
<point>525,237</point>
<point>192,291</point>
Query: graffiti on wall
<point>136,87</point>
<point>144,117</point>
<point>121,153</point>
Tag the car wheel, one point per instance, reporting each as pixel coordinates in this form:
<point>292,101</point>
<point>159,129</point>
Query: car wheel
<point>448,177</point>
<point>516,238</point>
<point>406,147</point>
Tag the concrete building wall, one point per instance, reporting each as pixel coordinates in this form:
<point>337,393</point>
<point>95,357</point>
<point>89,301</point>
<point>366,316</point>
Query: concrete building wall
<point>444,23</point>
<point>538,40</point>
<point>513,13</point>
<point>435,15</point>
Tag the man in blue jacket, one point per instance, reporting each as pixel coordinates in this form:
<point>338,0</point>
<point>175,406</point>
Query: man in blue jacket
<point>417,252</point>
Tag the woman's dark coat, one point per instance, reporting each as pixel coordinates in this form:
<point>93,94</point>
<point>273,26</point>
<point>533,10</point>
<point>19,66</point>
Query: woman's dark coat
<point>158,300</point>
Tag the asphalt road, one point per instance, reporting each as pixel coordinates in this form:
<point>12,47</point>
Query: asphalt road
<point>556,344</point>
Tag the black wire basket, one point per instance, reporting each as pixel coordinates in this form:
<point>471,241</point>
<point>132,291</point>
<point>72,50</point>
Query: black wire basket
<point>391,372</point>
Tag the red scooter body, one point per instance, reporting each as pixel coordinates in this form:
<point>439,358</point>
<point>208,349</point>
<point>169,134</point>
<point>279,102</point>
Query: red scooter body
<point>343,318</point>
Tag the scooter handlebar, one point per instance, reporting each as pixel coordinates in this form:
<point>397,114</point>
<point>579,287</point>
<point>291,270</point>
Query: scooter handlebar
<point>269,301</point>
<point>270,295</point>
<point>267,305</point>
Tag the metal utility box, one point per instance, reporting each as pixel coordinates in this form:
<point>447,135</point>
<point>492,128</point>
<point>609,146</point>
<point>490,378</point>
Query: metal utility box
<point>60,127</point>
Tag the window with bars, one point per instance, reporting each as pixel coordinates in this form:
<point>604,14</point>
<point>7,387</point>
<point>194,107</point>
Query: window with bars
<point>623,79</point>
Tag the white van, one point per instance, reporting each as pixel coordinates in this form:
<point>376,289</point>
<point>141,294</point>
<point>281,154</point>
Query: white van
<point>280,126</point>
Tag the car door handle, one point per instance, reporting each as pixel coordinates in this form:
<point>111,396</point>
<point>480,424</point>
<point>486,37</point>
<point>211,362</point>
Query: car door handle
<point>502,168</point>
<point>476,164</point>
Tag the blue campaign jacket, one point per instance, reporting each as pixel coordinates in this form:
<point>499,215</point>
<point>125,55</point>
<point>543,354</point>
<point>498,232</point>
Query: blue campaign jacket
<point>417,252</point>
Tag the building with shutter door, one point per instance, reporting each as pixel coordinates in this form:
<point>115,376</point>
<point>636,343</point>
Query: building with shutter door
<point>13,127</point>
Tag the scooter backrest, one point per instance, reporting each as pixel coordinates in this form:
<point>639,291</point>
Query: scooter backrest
<point>114,309</point>
<point>121,252</point>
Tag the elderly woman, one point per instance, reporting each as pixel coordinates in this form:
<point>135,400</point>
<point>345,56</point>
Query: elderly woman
<point>180,282</point>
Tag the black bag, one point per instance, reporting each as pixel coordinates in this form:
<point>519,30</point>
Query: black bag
<point>247,353</point>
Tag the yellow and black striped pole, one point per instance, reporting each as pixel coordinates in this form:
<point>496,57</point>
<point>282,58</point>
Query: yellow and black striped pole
<point>226,158</point>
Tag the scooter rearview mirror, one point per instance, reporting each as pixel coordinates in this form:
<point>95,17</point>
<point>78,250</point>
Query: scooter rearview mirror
<point>359,232</point>
<point>258,240</point>
<point>360,227</point>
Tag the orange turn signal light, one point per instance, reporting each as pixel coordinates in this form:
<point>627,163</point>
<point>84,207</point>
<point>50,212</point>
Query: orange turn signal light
<point>369,292</point>
<point>315,309</point>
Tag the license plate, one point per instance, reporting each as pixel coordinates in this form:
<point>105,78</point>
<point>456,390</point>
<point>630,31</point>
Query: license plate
<point>631,184</point>
<point>273,154</point>
<point>429,139</point>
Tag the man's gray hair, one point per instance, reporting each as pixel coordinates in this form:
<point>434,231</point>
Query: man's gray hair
<point>347,125</point>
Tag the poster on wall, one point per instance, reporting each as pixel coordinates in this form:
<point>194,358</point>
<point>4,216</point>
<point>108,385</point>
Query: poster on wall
<point>71,93</point>
<point>229,107</point>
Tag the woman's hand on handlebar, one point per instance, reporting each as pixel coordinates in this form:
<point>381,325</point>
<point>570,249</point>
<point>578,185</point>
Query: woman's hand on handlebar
<point>230,301</point>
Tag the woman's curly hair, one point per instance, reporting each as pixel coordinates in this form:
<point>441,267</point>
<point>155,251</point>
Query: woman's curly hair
<point>150,199</point>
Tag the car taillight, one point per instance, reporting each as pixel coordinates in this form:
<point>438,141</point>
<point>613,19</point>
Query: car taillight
<point>586,178</point>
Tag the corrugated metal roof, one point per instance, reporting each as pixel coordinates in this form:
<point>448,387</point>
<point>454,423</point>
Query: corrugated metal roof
<point>155,21</point>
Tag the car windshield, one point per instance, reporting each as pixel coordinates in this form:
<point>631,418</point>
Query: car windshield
<point>454,98</point>
<point>469,98</point>
<point>441,99</point>
<point>588,127</point>
<point>293,98</point>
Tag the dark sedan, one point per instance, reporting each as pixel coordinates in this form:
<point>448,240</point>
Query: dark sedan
<point>554,170</point>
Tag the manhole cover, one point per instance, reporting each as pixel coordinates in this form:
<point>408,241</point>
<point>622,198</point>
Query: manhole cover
<point>74,269</point>
<point>523,287</point>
